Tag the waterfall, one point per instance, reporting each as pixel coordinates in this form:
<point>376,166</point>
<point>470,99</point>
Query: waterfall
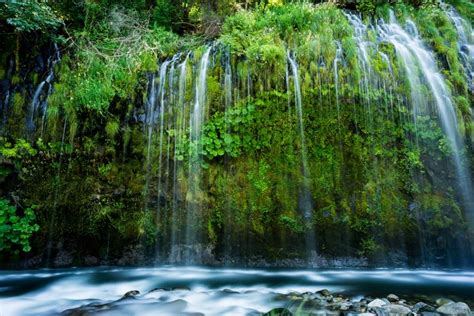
<point>365,49</point>
<point>337,60</point>
<point>305,191</point>
<point>227,81</point>
<point>420,66</point>
<point>162,105</point>
<point>465,42</point>
<point>40,99</point>
<point>198,113</point>
<point>228,102</point>
<point>149,115</point>
<point>342,131</point>
<point>5,101</point>
<point>180,126</point>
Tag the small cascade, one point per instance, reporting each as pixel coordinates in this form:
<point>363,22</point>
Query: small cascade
<point>149,116</point>
<point>337,61</point>
<point>465,42</point>
<point>227,81</point>
<point>162,104</point>
<point>420,66</point>
<point>5,100</point>
<point>198,113</point>
<point>39,103</point>
<point>365,49</point>
<point>228,102</point>
<point>180,127</point>
<point>305,202</point>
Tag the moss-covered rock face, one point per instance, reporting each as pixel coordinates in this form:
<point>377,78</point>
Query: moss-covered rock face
<point>302,132</point>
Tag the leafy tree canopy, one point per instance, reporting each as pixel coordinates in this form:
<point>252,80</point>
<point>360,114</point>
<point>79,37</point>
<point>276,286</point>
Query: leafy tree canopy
<point>29,16</point>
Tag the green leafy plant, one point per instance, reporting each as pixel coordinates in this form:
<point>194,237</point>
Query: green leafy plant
<point>16,228</point>
<point>18,150</point>
<point>28,16</point>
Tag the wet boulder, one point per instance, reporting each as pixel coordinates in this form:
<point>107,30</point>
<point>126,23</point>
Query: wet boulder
<point>458,308</point>
<point>324,293</point>
<point>392,310</point>
<point>421,307</point>
<point>393,298</point>
<point>442,301</point>
<point>132,293</point>
<point>376,303</point>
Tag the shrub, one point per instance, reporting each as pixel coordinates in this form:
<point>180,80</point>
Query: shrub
<point>16,229</point>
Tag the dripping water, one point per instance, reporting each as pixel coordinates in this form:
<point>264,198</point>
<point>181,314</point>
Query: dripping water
<point>465,42</point>
<point>39,101</point>
<point>420,66</point>
<point>194,178</point>
<point>180,125</point>
<point>305,199</point>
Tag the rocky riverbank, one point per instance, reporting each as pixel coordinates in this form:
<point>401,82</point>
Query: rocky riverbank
<point>319,303</point>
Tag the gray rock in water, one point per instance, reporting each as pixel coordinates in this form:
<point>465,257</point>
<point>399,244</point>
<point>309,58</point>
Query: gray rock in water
<point>345,306</point>
<point>181,288</point>
<point>442,301</point>
<point>324,292</point>
<point>423,307</point>
<point>360,307</point>
<point>376,303</point>
<point>393,298</point>
<point>459,308</point>
<point>392,309</point>
<point>229,291</point>
<point>131,294</point>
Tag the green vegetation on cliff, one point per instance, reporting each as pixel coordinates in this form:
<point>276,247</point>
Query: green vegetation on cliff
<point>104,179</point>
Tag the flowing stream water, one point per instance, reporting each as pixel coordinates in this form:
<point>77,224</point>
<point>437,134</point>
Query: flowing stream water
<point>213,291</point>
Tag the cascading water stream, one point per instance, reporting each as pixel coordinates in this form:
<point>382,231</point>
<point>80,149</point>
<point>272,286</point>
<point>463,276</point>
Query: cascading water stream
<point>180,125</point>
<point>337,60</point>
<point>227,86</point>
<point>365,49</point>
<point>227,82</point>
<point>420,66</point>
<point>163,103</point>
<point>305,194</point>
<point>149,116</point>
<point>198,113</point>
<point>465,34</point>
<point>5,101</point>
<point>37,102</point>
